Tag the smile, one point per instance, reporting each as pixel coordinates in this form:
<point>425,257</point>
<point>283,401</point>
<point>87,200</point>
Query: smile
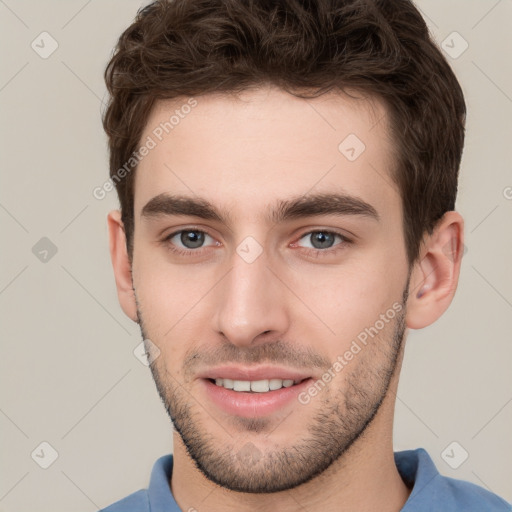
<point>253,398</point>
<point>255,386</point>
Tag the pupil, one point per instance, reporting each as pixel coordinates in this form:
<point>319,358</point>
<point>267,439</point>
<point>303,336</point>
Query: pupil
<point>192,239</point>
<point>321,240</point>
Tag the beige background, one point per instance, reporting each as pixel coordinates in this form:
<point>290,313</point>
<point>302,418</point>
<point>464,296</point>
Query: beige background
<point>69,376</point>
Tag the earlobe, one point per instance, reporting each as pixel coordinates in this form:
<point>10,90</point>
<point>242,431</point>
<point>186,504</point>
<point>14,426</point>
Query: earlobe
<point>435,275</point>
<point>121,264</point>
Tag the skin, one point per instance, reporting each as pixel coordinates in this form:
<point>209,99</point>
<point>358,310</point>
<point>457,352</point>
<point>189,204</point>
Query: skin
<point>295,305</point>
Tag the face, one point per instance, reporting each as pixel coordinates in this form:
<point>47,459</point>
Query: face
<point>270,270</point>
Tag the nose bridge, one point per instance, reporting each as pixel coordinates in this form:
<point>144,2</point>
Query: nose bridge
<point>250,302</point>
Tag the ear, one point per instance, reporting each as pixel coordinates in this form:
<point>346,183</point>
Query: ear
<point>435,275</point>
<point>122,265</point>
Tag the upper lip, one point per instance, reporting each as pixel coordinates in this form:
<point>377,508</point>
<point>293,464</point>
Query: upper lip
<point>253,373</point>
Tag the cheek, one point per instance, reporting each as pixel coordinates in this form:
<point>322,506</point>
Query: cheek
<point>167,301</point>
<point>176,306</point>
<point>346,300</point>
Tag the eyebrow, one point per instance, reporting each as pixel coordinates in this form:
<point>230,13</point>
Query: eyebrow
<point>295,208</point>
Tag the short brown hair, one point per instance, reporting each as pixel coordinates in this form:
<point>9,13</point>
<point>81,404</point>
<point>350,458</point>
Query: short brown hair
<point>306,47</point>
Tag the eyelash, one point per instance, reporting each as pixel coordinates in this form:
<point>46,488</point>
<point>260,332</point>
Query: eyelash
<point>316,253</point>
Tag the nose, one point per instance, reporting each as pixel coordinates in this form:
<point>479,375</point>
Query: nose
<point>251,303</point>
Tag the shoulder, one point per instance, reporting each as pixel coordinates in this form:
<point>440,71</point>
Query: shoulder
<point>136,502</point>
<point>433,491</point>
<point>157,496</point>
<point>461,495</point>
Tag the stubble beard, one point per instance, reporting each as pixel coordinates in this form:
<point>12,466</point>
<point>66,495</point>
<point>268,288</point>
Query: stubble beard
<point>341,418</point>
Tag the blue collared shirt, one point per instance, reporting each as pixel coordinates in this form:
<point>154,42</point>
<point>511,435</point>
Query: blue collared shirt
<point>430,490</point>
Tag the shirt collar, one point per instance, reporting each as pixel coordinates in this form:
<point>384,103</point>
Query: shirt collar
<point>159,490</point>
<point>419,472</point>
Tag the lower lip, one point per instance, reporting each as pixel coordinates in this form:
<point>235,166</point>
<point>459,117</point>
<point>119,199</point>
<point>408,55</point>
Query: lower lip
<point>250,405</point>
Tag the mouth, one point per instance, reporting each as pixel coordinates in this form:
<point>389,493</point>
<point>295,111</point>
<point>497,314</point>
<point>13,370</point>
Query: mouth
<point>250,392</point>
<point>255,386</point>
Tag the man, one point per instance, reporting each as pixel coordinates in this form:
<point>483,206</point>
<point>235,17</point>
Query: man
<point>287,173</point>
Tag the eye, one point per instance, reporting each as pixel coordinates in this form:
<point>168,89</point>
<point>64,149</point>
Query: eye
<point>321,240</point>
<point>190,239</point>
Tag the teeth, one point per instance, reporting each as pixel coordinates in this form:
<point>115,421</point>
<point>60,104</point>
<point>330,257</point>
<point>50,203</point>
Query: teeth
<point>242,385</point>
<point>256,386</point>
<point>275,384</point>
<point>228,383</point>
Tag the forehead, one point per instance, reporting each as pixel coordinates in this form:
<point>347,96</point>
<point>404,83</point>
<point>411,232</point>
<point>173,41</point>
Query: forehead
<point>247,151</point>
